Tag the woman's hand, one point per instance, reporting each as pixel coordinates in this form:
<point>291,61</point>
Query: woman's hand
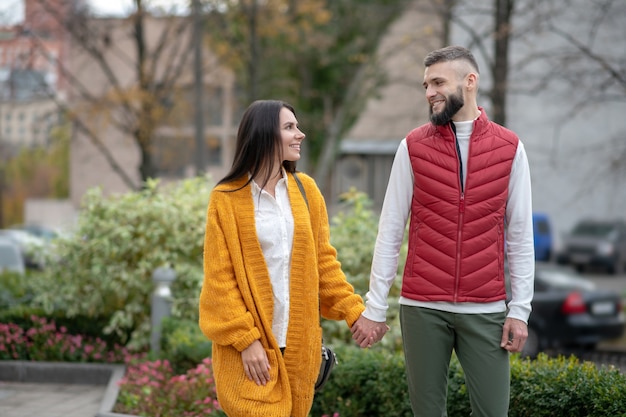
<point>366,332</point>
<point>255,363</point>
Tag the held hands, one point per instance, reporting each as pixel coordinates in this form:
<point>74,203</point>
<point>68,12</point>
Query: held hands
<point>255,363</point>
<point>514,335</point>
<point>366,332</point>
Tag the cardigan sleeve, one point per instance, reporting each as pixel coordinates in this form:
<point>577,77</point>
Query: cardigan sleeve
<point>223,316</point>
<point>338,300</point>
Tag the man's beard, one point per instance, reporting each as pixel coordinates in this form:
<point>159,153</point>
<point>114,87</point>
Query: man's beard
<point>454,103</point>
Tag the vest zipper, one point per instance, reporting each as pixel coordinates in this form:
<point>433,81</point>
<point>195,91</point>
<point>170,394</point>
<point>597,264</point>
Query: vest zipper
<point>458,246</point>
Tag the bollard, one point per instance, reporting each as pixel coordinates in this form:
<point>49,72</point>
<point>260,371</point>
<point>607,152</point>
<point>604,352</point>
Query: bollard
<point>161,304</point>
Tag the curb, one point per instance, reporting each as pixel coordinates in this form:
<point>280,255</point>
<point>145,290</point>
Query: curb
<point>69,373</point>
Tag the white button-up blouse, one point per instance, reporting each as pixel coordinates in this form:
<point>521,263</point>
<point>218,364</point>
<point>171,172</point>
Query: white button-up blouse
<point>274,228</point>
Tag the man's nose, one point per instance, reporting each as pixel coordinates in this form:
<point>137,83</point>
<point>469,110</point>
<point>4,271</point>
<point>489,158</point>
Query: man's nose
<point>430,92</point>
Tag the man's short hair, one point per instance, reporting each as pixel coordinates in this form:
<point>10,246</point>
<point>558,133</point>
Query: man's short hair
<point>451,53</point>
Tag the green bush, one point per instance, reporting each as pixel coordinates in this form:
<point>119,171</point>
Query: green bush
<point>183,344</point>
<point>353,233</point>
<point>104,268</point>
<point>14,289</point>
<point>367,382</point>
<point>566,387</point>
<point>372,383</point>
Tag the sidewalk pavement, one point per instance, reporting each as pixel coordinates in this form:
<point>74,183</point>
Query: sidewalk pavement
<point>24,399</point>
<point>49,389</point>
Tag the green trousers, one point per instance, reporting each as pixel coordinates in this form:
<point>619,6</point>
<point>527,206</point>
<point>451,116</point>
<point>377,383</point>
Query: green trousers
<point>429,336</point>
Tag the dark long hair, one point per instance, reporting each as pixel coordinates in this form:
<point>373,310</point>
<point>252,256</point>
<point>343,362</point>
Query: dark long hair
<point>258,141</point>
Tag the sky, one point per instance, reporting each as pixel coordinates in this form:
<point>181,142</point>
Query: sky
<point>12,11</point>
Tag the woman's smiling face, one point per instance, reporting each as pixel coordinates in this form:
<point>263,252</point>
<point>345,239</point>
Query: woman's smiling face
<point>291,137</point>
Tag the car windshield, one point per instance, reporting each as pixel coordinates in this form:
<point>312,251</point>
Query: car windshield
<point>564,278</point>
<point>594,229</point>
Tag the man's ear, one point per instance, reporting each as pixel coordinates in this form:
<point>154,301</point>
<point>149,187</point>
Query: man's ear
<point>471,81</point>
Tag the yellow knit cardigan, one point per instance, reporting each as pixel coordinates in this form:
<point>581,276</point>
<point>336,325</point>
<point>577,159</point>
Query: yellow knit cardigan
<point>236,303</point>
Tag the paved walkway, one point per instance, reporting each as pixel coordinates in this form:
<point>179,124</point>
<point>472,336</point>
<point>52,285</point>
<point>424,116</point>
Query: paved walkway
<point>18,399</point>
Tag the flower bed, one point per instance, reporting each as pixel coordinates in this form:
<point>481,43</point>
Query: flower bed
<point>152,388</point>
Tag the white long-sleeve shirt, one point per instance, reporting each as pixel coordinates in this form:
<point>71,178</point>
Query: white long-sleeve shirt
<point>395,213</point>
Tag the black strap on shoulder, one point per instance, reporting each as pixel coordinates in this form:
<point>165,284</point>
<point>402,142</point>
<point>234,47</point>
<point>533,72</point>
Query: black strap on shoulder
<point>295,176</point>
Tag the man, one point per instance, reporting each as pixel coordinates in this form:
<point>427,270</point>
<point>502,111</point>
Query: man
<point>465,182</point>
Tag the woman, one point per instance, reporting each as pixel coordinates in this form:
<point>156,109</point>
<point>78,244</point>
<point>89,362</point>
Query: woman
<point>269,270</point>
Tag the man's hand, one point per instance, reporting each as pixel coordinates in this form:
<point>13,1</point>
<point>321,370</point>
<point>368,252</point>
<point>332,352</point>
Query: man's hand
<point>514,335</point>
<point>366,332</point>
<point>255,363</point>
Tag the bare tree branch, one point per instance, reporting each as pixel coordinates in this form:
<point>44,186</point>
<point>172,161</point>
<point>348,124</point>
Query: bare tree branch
<point>617,74</point>
<point>136,109</point>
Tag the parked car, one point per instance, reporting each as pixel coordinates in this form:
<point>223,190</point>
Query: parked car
<point>38,231</point>
<point>542,232</point>
<point>569,311</point>
<point>31,246</point>
<point>599,243</point>
<point>11,258</point>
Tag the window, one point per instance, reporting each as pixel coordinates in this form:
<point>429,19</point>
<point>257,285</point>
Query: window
<point>175,156</point>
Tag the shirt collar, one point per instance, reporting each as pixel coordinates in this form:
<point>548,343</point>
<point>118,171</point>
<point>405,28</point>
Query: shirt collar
<point>256,189</point>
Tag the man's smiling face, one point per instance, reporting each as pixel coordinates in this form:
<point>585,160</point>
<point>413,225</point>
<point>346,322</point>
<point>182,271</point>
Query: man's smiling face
<point>444,92</point>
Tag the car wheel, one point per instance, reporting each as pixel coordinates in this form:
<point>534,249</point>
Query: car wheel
<point>618,267</point>
<point>531,348</point>
<point>589,347</point>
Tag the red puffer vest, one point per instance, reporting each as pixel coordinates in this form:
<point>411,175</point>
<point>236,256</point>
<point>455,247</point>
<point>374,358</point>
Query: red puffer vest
<point>456,237</point>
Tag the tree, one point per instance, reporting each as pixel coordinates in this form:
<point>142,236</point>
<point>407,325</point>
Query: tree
<point>318,55</point>
<point>566,34</point>
<point>261,39</point>
<point>491,41</point>
<point>134,89</point>
<point>566,75</point>
<point>584,48</point>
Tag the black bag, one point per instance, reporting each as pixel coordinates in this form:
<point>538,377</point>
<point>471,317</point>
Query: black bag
<point>329,360</point>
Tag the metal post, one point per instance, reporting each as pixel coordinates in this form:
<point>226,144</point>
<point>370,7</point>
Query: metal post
<point>161,304</point>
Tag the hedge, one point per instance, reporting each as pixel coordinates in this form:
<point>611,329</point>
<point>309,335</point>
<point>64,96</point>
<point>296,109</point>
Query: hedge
<point>373,383</point>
